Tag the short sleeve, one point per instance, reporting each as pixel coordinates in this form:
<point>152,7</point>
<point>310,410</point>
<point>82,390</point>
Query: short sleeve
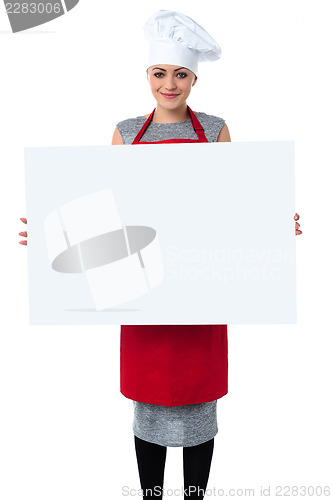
<point>129,128</point>
<point>121,130</point>
<point>219,123</point>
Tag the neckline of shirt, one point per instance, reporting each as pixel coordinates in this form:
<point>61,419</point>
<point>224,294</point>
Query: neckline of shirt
<point>170,123</point>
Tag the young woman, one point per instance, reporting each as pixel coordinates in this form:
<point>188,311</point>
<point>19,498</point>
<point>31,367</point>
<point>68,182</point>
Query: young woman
<point>174,373</point>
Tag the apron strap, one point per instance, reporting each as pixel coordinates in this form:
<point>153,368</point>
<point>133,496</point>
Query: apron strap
<point>197,126</point>
<point>194,121</point>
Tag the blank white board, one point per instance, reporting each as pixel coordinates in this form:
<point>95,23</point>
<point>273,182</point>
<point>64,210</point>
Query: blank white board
<point>198,233</point>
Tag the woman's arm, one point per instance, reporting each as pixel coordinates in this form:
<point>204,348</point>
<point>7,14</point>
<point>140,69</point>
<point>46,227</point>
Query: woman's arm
<point>224,134</point>
<point>117,139</point>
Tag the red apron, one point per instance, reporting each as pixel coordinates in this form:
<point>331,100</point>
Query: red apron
<point>173,365</point>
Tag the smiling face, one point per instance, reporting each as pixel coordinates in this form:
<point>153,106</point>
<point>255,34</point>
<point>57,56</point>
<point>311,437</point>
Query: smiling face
<point>169,79</point>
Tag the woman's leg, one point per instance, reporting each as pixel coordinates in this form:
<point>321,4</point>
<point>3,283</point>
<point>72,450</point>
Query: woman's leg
<point>196,468</point>
<point>151,460</point>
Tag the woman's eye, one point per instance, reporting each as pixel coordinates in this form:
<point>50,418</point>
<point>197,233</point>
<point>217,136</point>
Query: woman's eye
<point>184,74</point>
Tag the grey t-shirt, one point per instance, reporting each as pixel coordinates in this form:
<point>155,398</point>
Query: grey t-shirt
<point>162,131</point>
<point>186,425</point>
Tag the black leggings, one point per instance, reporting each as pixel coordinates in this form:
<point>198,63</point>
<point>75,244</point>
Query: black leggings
<point>151,460</point>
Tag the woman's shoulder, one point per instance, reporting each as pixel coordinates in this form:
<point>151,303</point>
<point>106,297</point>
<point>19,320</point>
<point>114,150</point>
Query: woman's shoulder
<point>212,125</point>
<point>129,128</point>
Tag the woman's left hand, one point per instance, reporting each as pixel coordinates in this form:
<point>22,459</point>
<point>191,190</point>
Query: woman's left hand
<point>297,225</point>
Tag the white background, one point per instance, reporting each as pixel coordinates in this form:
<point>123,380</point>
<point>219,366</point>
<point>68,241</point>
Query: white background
<point>65,428</point>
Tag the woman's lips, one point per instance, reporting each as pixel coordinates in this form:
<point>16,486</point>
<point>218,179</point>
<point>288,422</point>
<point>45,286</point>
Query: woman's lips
<point>169,96</point>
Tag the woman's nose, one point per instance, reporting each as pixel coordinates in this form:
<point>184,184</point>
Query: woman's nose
<point>170,84</point>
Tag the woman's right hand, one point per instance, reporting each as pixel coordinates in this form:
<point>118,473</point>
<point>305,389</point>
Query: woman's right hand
<point>23,233</point>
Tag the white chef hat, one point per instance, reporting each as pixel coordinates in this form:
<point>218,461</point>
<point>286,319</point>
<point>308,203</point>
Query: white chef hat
<point>178,40</point>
